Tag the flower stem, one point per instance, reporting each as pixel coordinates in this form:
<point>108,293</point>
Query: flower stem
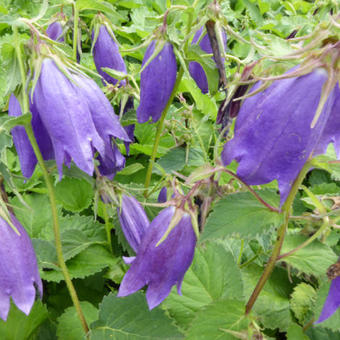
<point>56,228</point>
<point>107,226</point>
<point>159,132</point>
<point>279,241</point>
<point>75,30</point>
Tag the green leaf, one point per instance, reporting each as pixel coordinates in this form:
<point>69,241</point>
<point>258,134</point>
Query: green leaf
<point>129,318</point>
<point>69,326</point>
<point>318,333</point>
<point>242,214</point>
<point>213,275</point>
<point>302,301</point>
<point>131,169</point>
<point>313,259</point>
<point>20,326</point>
<point>220,320</point>
<point>74,194</point>
<point>272,305</point>
<point>295,332</point>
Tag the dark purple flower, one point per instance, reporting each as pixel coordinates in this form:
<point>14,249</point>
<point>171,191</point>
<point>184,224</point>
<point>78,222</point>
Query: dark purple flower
<point>156,83</point>
<point>195,69</point>
<point>133,221</point>
<point>21,142</point>
<point>129,129</point>
<point>273,138</point>
<point>160,267</point>
<point>162,197</point>
<point>106,54</point>
<point>19,274</point>
<point>55,31</point>
<point>332,302</point>
<point>78,118</point>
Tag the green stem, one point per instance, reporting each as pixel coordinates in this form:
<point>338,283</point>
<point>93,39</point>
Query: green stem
<point>279,241</point>
<point>159,132</point>
<point>75,30</point>
<point>107,226</point>
<point>56,228</point>
<point>241,252</point>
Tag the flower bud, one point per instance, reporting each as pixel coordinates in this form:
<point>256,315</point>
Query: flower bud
<point>55,31</point>
<point>157,82</point>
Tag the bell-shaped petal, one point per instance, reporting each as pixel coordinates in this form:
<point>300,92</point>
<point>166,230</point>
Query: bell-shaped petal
<point>160,267</point>
<point>113,161</point>
<point>65,113</point>
<point>332,302</point>
<point>156,83</point>
<point>273,136</point>
<point>106,54</point>
<point>19,274</point>
<point>133,221</point>
<point>55,31</point>
<point>162,196</point>
<point>195,69</point>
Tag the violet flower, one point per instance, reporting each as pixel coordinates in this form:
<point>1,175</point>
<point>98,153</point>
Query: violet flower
<point>273,138</point>
<point>77,116</point>
<point>19,274</point>
<point>133,221</point>
<point>332,302</point>
<point>162,196</point>
<point>156,83</point>
<point>106,54</point>
<point>195,69</point>
<point>160,267</point>
<point>55,31</point>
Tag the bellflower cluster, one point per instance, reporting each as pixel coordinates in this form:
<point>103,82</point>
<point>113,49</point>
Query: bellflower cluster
<point>19,274</point>
<point>195,69</point>
<point>106,54</point>
<point>273,135</point>
<point>158,266</point>
<point>72,119</point>
<point>157,82</point>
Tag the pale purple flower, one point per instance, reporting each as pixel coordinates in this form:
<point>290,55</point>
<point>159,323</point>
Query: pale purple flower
<point>273,135</point>
<point>19,274</point>
<point>106,54</point>
<point>163,266</point>
<point>195,69</point>
<point>55,31</point>
<point>133,221</point>
<point>156,83</point>
<point>162,197</point>
<point>332,302</point>
<point>78,118</point>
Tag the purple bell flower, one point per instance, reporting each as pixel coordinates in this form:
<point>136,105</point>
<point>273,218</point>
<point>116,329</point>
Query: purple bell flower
<point>156,83</point>
<point>273,138</point>
<point>55,31</point>
<point>160,267</point>
<point>19,274</point>
<point>133,221</point>
<point>77,116</point>
<point>106,54</point>
<point>162,196</point>
<point>332,302</point>
<point>195,69</point>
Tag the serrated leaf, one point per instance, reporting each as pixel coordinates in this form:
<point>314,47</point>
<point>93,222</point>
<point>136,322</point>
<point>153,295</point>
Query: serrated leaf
<point>90,261</point>
<point>74,194</point>
<point>313,259</point>
<point>219,320</point>
<point>241,214</point>
<point>69,326</point>
<point>129,318</point>
<point>272,305</point>
<point>318,333</point>
<point>20,326</point>
<point>213,275</point>
<point>295,332</point>
<point>302,301</point>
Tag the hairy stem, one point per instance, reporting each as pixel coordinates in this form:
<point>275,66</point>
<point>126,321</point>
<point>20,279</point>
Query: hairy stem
<point>279,241</point>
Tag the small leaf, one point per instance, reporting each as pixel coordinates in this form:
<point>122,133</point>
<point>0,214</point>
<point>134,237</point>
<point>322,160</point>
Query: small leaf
<point>295,332</point>
<point>131,169</point>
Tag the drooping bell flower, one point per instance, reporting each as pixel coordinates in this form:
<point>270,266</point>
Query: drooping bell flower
<point>332,302</point>
<point>133,221</point>
<point>157,82</point>
<point>21,142</point>
<point>161,266</point>
<point>55,31</point>
<point>273,136</point>
<point>106,54</point>
<point>162,196</point>
<point>19,274</point>
<point>195,69</point>
<point>77,116</point>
